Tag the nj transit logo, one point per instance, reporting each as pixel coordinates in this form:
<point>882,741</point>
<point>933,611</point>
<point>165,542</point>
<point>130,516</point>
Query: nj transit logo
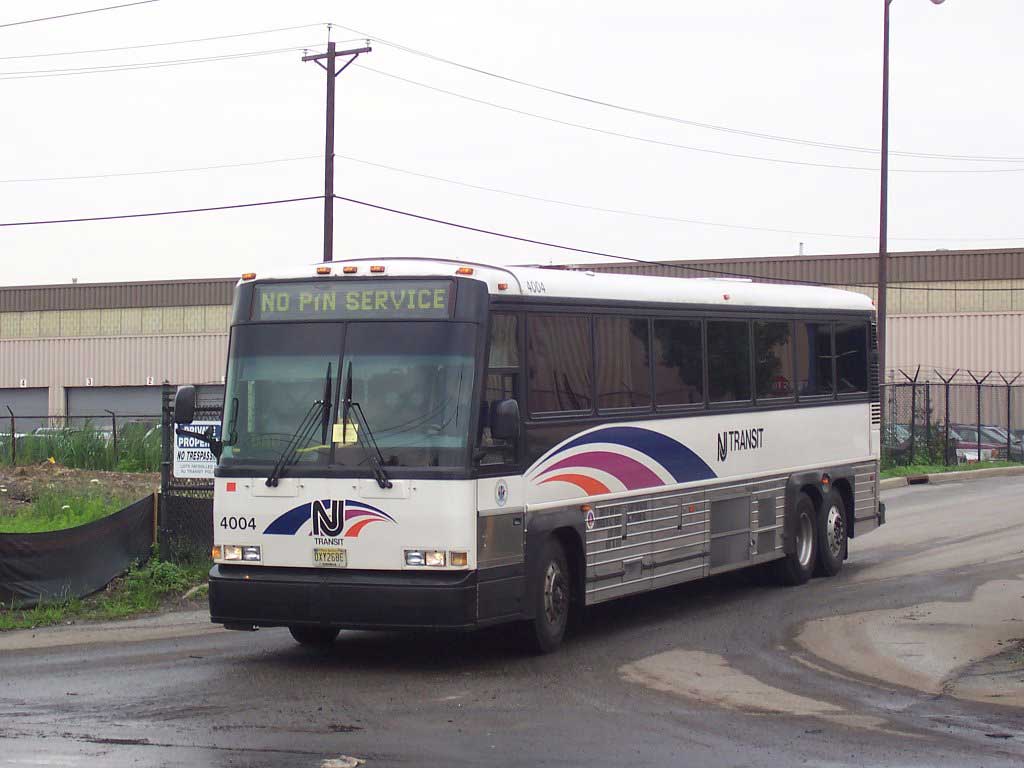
<point>330,518</point>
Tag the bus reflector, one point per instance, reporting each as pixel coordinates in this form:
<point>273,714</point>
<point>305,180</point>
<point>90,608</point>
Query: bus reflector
<point>377,269</point>
<point>248,275</point>
<point>502,286</point>
<point>464,271</point>
<point>350,270</point>
<point>323,270</point>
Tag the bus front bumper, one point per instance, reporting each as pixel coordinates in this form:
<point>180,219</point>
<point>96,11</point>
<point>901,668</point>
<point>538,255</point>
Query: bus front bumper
<point>246,597</point>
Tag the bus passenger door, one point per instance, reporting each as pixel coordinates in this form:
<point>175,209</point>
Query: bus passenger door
<point>501,513</point>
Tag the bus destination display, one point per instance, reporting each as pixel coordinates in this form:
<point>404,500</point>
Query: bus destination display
<point>363,300</point>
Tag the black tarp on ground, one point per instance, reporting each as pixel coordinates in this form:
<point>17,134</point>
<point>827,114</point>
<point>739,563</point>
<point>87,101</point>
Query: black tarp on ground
<point>76,561</point>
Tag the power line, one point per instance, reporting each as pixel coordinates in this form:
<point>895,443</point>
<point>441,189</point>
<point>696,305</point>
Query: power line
<point>76,13</point>
<point>671,118</point>
<point>659,142</point>
<point>159,213</point>
<point>496,190</point>
<point>30,74</point>
<point>159,45</point>
<point>657,217</point>
<point>159,171</point>
<point>671,265</point>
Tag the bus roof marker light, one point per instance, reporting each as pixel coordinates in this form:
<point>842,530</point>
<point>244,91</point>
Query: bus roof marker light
<point>377,269</point>
<point>349,270</point>
<point>323,270</point>
<point>248,275</point>
<point>464,271</point>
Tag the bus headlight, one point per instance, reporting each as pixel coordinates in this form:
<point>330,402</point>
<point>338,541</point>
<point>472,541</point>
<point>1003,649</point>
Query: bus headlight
<point>431,558</point>
<point>239,552</point>
<point>435,558</point>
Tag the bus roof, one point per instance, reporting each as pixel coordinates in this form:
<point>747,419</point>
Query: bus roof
<point>585,285</point>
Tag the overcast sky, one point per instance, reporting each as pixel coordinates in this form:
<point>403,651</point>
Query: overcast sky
<point>805,69</point>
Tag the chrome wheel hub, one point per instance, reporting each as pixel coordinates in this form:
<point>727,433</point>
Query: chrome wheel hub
<point>805,540</point>
<point>556,597</point>
<point>835,530</point>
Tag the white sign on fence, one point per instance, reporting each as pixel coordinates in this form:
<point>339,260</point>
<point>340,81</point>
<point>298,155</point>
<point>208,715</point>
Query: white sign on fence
<point>192,456</point>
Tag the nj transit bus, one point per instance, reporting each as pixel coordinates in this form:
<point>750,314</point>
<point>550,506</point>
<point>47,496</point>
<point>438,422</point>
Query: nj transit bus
<point>430,444</point>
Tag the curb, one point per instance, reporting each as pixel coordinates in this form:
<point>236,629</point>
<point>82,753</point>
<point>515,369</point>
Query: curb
<point>939,478</point>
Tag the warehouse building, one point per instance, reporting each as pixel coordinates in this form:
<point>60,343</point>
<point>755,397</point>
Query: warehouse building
<point>83,349</point>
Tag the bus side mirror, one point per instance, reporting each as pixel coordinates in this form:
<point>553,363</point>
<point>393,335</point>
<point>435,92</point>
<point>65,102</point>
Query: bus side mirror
<point>505,420</point>
<point>185,404</point>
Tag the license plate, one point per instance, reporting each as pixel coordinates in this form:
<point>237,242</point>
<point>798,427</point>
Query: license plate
<point>329,557</point>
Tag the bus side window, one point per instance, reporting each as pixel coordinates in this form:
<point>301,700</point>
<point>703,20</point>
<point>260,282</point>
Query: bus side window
<point>500,383</point>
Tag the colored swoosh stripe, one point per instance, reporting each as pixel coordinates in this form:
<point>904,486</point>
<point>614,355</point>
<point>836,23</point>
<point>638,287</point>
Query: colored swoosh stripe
<point>290,522</point>
<point>683,464</point>
<point>354,509</point>
<point>628,471</point>
<point>588,485</point>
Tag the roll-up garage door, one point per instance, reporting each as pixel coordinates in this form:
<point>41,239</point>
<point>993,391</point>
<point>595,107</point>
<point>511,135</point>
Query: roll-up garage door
<point>124,401</point>
<point>32,401</point>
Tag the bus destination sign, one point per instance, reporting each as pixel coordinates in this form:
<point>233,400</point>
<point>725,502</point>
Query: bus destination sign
<point>345,300</point>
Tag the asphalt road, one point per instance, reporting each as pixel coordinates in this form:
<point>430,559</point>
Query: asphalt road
<point>709,674</point>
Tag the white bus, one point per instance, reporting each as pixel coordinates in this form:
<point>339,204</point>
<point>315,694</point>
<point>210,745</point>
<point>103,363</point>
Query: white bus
<point>414,443</point>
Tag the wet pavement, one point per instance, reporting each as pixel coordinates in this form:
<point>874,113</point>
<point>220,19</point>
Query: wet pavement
<point>718,673</point>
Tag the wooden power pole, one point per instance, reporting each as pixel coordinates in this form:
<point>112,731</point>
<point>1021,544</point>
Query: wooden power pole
<point>331,58</point>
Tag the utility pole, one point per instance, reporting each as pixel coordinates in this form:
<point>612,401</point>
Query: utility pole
<point>331,58</point>
<point>883,224</point>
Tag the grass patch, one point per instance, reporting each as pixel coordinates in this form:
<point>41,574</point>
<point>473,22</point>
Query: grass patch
<point>139,448</point>
<point>931,469</point>
<point>54,511</point>
<point>142,590</point>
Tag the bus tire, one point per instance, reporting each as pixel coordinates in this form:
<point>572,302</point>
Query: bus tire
<point>796,568</point>
<point>316,637</point>
<point>832,535</point>
<point>551,599</point>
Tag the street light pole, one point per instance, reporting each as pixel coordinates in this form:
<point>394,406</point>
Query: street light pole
<point>883,217</point>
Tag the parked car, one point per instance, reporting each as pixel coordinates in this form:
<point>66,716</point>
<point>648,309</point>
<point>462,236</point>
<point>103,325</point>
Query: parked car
<point>968,439</point>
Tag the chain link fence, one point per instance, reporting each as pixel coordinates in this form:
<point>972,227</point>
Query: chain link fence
<point>949,422</point>
<point>185,531</point>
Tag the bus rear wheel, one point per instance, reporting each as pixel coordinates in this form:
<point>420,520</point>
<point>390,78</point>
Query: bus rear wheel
<point>316,637</point>
<point>798,566</point>
<point>551,599</point>
<point>832,535</point>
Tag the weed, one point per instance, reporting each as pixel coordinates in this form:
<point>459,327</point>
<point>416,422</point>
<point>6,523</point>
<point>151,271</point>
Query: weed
<point>54,511</point>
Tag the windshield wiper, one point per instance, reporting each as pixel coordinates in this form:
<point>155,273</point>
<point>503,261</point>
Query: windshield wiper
<point>304,431</point>
<point>375,457</point>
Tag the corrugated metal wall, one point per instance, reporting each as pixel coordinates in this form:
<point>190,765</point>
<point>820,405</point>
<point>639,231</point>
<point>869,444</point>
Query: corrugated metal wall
<point>167,293</point>
<point>115,361</point>
<point>980,342</point>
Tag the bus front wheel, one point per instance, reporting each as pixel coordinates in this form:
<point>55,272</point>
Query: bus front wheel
<point>319,637</point>
<point>798,566</point>
<point>551,598</point>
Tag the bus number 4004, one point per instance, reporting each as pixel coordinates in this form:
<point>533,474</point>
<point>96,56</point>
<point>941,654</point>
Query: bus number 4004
<point>238,523</point>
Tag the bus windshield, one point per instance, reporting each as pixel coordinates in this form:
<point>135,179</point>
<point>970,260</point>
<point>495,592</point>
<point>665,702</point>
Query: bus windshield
<point>413,381</point>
